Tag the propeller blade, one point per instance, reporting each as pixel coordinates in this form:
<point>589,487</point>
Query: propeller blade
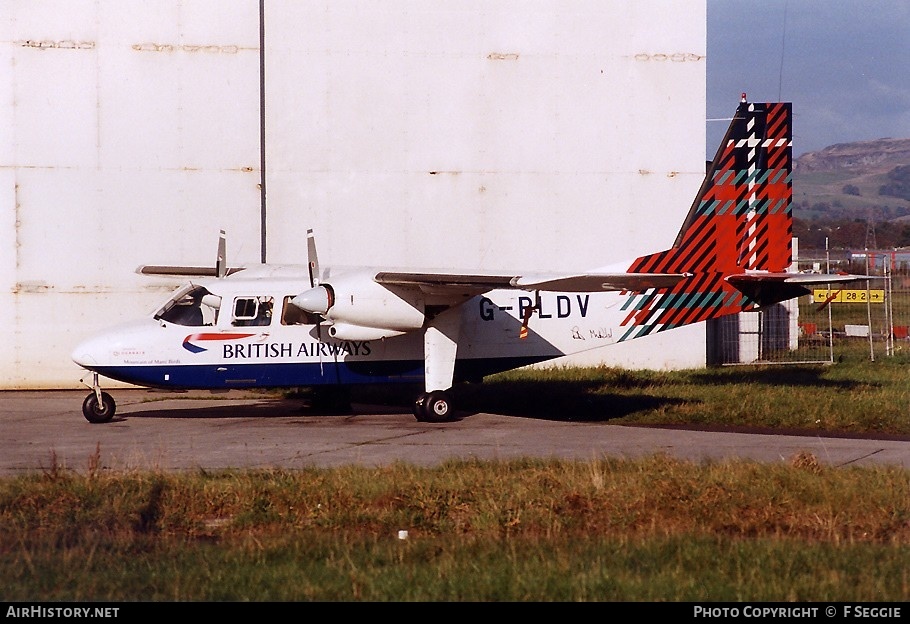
<point>313,264</point>
<point>221,258</point>
<point>312,260</point>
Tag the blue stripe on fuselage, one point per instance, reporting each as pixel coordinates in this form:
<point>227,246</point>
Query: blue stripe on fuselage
<point>290,375</point>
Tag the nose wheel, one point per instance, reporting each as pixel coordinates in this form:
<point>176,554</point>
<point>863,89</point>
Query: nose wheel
<point>98,406</point>
<point>434,407</point>
<point>98,410</point>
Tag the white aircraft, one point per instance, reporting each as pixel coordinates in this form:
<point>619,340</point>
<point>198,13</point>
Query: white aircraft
<point>270,326</point>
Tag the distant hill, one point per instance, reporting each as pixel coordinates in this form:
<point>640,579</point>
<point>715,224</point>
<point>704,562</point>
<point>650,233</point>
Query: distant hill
<point>856,156</point>
<point>853,192</point>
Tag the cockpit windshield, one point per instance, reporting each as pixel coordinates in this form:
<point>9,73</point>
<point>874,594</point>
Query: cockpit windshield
<point>192,305</point>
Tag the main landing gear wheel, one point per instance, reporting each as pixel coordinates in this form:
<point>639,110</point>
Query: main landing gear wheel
<point>99,412</point>
<point>433,407</point>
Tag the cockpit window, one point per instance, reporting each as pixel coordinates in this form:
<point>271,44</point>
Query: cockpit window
<point>193,306</point>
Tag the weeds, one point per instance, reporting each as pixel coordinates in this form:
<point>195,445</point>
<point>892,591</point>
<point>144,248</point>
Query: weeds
<point>522,530</point>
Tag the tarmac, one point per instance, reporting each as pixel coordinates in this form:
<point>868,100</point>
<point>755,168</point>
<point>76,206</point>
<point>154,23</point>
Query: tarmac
<point>166,431</point>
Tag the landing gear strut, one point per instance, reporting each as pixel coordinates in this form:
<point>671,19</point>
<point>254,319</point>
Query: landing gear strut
<point>98,406</point>
<point>434,407</point>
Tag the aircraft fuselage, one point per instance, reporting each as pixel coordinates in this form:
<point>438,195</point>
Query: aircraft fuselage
<point>255,337</point>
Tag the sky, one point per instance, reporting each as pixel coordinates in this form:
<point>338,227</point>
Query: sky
<point>844,64</point>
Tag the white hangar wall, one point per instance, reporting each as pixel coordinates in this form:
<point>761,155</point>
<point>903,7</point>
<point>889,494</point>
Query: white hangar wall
<point>486,135</point>
<point>130,134</point>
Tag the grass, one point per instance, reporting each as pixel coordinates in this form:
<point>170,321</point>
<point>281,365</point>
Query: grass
<point>851,396</point>
<point>654,529</point>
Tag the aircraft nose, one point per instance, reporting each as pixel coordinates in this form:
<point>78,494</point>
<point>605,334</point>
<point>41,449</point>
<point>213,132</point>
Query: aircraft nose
<point>82,357</point>
<point>117,345</point>
<point>85,353</point>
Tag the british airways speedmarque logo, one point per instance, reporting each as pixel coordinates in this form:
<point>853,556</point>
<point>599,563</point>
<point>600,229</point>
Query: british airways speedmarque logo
<point>194,348</point>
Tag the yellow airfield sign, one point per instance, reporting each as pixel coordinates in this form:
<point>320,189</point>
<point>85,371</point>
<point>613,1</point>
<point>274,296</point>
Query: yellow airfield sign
<point>848,296</point>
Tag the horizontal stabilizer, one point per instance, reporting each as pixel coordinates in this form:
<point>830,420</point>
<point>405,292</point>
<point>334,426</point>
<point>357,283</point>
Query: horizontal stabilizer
<point>770,288</point>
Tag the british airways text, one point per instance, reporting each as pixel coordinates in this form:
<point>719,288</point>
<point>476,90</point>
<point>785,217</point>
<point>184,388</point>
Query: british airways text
<point>253,350</point>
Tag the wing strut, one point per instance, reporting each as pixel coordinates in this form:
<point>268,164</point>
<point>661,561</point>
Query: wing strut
<point>440,345</point>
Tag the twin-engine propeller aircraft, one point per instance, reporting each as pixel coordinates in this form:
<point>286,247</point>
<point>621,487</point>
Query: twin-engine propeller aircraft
<point>268,326</point>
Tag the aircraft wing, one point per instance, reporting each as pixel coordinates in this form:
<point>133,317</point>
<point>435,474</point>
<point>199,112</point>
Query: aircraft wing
<point>218,269</point>
<point>464,283</point>
<point>763,287</point>
<point>184,271</point>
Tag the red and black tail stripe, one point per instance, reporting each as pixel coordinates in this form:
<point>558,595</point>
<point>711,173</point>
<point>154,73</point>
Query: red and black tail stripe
<point>740,221</point>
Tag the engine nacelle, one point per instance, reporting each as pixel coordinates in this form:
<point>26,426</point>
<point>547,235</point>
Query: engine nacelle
<point>356,301</point>
<point>346,331</point>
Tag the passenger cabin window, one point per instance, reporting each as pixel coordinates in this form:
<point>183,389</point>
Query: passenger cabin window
<point>292,315</point>
<point>193,306</point>
<point>252,311</point>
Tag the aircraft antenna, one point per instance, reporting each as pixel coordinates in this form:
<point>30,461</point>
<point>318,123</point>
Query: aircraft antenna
<point>783,43</point>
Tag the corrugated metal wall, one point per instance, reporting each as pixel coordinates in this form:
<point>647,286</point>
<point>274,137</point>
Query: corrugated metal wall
<point>480,135</point>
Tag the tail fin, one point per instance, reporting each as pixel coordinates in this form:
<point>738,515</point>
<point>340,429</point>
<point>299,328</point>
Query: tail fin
<point>736,241</point>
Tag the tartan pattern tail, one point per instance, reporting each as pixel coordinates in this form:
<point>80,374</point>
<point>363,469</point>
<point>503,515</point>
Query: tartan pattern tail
<point>740,221</point>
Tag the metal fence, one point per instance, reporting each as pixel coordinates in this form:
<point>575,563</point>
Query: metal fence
<point>866,319</point>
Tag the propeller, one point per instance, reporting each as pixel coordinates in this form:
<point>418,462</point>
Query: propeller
<point>312,259</point>
<point>221,258</point>
<point>313,266</point>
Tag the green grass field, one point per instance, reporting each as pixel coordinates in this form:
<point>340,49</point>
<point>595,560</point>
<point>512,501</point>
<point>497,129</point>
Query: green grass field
<point>649,530</point>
